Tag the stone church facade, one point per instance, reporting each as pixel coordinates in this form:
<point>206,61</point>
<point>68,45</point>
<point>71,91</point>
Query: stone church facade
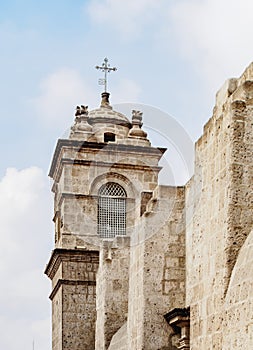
<point>141,266</point>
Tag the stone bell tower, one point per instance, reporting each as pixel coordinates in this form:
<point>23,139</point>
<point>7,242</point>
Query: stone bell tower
<point>103,175</point>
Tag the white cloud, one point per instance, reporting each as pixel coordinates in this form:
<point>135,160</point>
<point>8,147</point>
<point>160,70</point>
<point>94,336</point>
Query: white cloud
<point>215,36</point>
<point>128,17</point>
<point>25,207</point>
<point>126,91</point>
<point>61,91</point>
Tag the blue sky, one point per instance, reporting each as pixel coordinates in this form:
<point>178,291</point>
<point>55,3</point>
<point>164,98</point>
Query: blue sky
<point>170,54</point>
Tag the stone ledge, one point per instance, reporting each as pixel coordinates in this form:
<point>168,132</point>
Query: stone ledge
<point>62,282</point>
<point>59,255</point>
<point>98,146</point>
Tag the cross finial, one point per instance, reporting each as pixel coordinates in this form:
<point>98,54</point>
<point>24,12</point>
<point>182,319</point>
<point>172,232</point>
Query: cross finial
<point>106,69</point>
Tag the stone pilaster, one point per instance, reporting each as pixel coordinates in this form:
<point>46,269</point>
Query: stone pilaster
<point>73,275</point>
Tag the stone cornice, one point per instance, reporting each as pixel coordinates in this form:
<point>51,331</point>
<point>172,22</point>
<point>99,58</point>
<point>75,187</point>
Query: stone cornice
<point>62,282</point>
<point>84,145</point>
<point>60,254</point>
<point>84,196</point>
<point>112,165</point>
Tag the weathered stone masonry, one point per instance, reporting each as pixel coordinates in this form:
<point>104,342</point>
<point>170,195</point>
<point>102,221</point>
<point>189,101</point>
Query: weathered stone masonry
<point>73,274</point>
<point>178,272</point>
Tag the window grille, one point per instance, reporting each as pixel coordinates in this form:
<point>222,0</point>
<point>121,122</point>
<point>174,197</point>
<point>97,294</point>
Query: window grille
<point>111,210</point>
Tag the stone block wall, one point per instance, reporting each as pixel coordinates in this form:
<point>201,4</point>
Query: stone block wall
<point>157,270</point>
<point>112,289</point>
<point>73,275</point>
<point>80,169</point>
<point>185,246</point>
<point>78,316</point>
<point>238,307</point>
<point>218,209</point>
<point>136,306</point>
<point>206,215</point>
<point>57,321</point>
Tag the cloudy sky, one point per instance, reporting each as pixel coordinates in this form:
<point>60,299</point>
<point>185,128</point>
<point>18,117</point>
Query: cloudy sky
<point>170,54</point>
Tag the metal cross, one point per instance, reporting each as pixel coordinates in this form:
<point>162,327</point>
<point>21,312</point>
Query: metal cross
<point>106,69</point>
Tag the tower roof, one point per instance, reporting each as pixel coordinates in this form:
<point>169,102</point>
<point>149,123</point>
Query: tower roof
<point>105,114</point>
<point>103,124</point>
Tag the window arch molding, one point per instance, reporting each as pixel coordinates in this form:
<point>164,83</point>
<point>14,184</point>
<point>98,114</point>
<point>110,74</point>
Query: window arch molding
<point>122,180</point>
<point>111,218</point>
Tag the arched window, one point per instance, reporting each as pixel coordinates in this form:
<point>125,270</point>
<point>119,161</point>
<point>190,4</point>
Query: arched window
<point>111,210</point>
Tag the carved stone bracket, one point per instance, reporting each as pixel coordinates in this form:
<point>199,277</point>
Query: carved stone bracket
<point>179,320</point>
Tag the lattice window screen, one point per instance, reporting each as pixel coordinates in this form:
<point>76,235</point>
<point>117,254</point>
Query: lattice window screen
<point>111,210</point>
